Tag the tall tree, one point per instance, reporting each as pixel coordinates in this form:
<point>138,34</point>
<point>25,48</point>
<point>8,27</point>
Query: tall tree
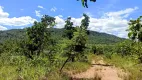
<point>38,35</point>
<point>77,45</point>
<point>80,36</point>
<point>135,33</point>
<point>135,29</point>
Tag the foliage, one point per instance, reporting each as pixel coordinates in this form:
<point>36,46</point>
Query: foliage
<point>93,49</point>
<point>124,48</point>
<point>80,37</point>
<point>135,33</point>
<point>38,35</point>
<point>50,51</point>
<point>69,29</point>
<point>93,37</point>
<point>77,42</point>
<point>135,29</point>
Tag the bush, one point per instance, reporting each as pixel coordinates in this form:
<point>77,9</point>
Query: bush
<point>124,48</point>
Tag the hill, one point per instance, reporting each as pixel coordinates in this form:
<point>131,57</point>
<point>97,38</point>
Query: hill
<point>94,37</point>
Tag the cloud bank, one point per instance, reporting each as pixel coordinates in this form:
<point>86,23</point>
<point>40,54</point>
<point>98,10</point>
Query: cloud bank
<point>14,21</point>
<point>114,23</point>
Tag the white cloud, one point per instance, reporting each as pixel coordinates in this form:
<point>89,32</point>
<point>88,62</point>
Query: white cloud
<point>2,13</point>
<point>60,22</point>
<point>2,28</point>
<point>40,7</point>
<point>15,21</point>
<point>112,22</point>
<point>89,14</point>
<point>122,13</point>
<point>76,21</point>
<point>53,9</point>
<point>38,13</point>
<point>20,21</point>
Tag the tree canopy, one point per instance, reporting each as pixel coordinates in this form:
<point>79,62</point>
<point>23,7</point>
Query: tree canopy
<point>135,29</point>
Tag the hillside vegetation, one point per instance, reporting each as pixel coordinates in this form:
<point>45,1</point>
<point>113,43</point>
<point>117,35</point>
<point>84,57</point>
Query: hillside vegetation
<point>93,38</point>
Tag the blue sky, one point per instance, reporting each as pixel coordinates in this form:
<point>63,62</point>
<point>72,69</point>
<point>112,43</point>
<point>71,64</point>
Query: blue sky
<point>109,16</point>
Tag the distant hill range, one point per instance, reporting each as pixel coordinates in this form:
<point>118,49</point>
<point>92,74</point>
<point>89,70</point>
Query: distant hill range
<point>94,37</point>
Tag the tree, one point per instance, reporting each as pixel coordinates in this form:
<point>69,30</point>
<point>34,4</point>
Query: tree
<point>38,35</point>
<point>85,23</point>
<point>80,36</point>
<point>135,33</point>
<point>69,29</point>
<point>77,45</point>
<point>135,29</point>
<point>79,40</point>
<point>84,2</point>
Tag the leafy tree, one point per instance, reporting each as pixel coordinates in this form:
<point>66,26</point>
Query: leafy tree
<point>79,39</point>
<point>84,2</point>
<point>85,23</point>
<point>77,45</point>
<point>38,35</point>
<point>69,29</point>
<point>135,33</point>
<point>135,29</point>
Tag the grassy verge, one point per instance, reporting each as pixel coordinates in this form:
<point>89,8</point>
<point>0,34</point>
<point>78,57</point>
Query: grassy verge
<point>18,68</point>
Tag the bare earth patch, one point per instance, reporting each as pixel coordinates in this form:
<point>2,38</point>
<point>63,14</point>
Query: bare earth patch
<point>102,70</point>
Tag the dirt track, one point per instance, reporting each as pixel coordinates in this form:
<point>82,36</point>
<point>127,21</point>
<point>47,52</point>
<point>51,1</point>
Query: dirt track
<point>102,70</point>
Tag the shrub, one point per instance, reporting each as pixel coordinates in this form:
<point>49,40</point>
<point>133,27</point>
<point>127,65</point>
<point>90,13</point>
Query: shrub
<point>124,48</point>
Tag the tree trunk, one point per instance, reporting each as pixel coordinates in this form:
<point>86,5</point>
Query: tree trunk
<point>64,64</point>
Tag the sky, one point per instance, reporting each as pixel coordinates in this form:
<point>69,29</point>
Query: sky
<point>107,16</point>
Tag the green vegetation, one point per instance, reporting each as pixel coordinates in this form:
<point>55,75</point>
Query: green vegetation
<point>135,30</point>
<point>93,37</point>
<point>36,54</point>
<point>41,53</point>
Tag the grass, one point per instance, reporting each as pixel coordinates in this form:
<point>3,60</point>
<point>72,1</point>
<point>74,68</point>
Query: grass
<point>76,67</point>
<point>19,68</point>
